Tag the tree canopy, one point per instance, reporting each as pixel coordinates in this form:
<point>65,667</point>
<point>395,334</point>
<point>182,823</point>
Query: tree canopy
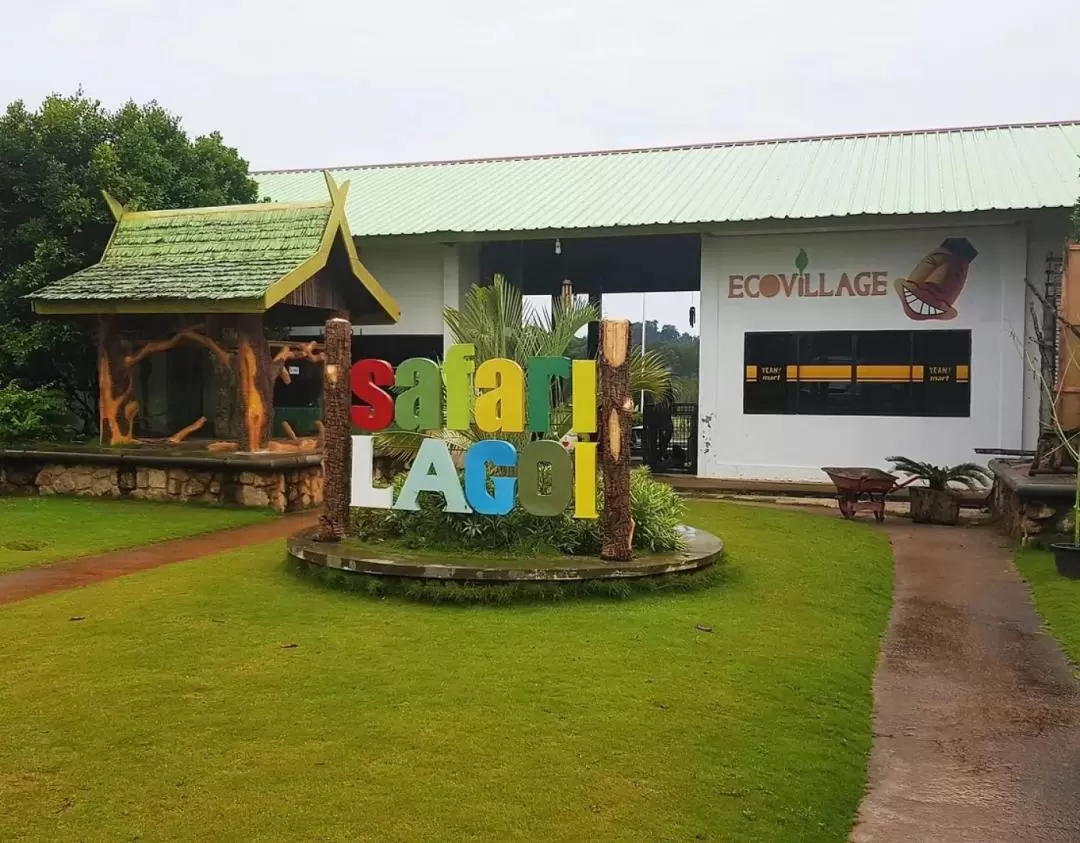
<point>54,163</point>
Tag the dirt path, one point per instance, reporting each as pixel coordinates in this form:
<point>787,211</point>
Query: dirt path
<point>87,570</point>
<point>977,724</point>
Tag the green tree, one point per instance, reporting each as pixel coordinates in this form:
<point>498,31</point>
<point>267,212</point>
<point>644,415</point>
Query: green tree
<point>54,163</point>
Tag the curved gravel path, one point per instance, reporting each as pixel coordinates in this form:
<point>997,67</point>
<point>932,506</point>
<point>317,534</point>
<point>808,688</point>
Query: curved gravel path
<point>977,723</point>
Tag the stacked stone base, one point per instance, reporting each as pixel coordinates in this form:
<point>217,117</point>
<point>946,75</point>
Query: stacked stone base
<point>1032,509</point>
<point>272,483</point>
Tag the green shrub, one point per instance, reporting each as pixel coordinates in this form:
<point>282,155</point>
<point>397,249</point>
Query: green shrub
<point>30,415</point>
<point>656,508</point>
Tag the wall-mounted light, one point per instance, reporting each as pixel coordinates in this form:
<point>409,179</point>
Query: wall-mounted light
<point>558,246</point>
<point>567,289</point>
<point>693,315</point>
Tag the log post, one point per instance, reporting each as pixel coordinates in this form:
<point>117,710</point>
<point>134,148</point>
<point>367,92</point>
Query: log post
<point>255,377</point>
<point>337,443</point>
<point>616,419</point>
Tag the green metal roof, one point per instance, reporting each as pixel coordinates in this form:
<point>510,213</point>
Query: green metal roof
<point>234,252</point>
<point>942,171</point>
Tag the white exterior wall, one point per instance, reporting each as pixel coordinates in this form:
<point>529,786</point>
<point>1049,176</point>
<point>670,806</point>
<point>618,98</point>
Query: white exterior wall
<point>411,273</point>
<point>423,278</point>
<point>794,447</point>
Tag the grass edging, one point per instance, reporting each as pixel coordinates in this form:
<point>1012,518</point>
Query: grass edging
<point>450,592</point>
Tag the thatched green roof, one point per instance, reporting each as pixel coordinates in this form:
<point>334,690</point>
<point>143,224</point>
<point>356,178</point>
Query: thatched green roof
<point>239,258</point>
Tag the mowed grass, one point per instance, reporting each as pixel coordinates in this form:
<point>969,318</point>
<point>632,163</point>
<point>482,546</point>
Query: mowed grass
<point>36,531</point>
<point>222,699</point>
<point>1057,599</point>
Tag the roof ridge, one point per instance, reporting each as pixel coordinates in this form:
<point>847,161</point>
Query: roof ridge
<point>222,209</point>
<point>674,147</point>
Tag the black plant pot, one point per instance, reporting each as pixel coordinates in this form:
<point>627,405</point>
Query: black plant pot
<point>1067,560</point>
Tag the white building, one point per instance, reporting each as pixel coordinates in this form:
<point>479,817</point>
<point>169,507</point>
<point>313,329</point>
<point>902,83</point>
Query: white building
<point>861,296</point>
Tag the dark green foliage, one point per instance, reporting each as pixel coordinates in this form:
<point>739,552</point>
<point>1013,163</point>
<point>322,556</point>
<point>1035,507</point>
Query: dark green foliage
<point>54,163</point>
<point>30,415</point>
<point>656,508</point>
<point>506,594</point>
<point>969,475</point>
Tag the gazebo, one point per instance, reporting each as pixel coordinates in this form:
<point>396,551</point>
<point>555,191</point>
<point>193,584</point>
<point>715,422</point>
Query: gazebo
<point>226,279</point>
<point>213,290</point>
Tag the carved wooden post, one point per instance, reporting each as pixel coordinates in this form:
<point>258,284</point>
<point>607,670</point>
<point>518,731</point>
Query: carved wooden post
<point>254,383</point>
<point>616,418</point>
<point>116,410</point>
<point>337,444</point>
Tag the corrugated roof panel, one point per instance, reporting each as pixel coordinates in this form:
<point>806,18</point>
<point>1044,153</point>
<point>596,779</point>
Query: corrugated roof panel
<point>954,170</point>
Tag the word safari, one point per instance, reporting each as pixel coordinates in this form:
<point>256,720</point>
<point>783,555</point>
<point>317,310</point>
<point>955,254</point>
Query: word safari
<point>494,396</point>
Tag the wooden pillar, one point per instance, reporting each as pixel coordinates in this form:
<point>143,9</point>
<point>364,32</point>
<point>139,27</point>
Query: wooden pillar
<point>116,409</point>
<point>337,443</point>
<point>1068,398</point>
<point>616,418</point>
<point>254,383</point>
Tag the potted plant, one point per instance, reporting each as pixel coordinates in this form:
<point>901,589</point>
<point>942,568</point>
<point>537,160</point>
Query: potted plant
<point>935,502</point>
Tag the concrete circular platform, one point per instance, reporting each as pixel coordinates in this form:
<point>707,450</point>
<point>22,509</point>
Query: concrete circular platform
<point>702,550</point>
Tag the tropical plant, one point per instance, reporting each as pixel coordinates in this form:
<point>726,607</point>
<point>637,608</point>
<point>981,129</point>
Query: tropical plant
<point>939,477</point>
<point>500,323</point>
<point>31,415</point>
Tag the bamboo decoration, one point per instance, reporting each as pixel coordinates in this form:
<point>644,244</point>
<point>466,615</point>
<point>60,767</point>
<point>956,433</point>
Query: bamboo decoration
<point>616,418</point>
<point>335,431</point>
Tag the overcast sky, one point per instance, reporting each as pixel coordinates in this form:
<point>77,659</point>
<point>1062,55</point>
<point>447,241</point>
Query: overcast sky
<point>329,83</point>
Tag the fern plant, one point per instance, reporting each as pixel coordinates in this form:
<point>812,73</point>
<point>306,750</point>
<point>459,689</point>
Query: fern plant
<point>939,477</point>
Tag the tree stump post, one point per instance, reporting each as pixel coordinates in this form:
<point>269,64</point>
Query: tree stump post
<point>616,419</point>
<point>337,443</point>
<point>255,375</point>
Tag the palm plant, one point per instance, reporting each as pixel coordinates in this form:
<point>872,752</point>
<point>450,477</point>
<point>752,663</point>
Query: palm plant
<point>500,323</point>
<point>938,477</point>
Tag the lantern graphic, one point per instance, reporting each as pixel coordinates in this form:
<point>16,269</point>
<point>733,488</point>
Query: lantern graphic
<point>933,287</point>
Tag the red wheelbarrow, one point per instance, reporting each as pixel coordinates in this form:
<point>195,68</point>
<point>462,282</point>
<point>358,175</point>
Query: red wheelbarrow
<point>863,489</point>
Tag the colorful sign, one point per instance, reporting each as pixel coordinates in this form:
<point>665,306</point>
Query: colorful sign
<point>498,396</point>
<point>936,282</point>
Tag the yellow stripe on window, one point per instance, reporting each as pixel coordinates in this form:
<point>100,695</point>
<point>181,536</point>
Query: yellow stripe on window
<point>821,373</point>
<point>884,374</point>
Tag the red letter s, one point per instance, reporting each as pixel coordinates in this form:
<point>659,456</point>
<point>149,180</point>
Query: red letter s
<point>365,378</point>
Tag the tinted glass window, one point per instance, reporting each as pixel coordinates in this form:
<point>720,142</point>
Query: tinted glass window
<point>862,373</point>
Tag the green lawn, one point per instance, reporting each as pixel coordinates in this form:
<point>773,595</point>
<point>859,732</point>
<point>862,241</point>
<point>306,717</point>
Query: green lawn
<point>36,531</point>
<point>1057,599</point>
<point>179,709</point>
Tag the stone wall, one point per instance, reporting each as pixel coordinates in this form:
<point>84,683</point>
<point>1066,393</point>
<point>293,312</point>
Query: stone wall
<point>283,489</point>
<point>1031,510</point>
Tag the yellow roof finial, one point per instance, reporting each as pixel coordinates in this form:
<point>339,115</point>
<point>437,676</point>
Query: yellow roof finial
<point>116,207</point>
